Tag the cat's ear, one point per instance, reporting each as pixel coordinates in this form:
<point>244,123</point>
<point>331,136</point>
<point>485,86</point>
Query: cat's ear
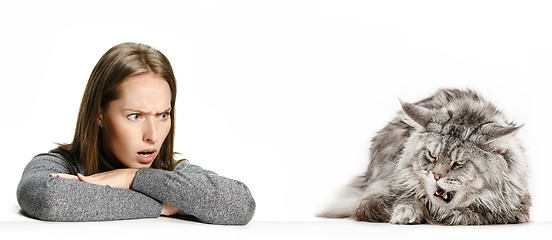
<point>418,116</point>
<point>499,139</point>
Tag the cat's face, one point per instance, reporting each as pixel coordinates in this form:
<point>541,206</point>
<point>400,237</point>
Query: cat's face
<point>458,153</point>
<point>453,171</point>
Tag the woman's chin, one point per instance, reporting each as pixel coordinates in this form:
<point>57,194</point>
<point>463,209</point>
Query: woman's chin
<point>137,164</point>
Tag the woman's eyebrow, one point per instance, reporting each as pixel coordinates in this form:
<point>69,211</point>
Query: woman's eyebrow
<point>144,112</point>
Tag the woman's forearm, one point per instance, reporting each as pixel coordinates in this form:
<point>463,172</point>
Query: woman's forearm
<point>55,199</point>
<point>203,194</point>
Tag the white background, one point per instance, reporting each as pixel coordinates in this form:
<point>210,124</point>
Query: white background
<point>282,95</point>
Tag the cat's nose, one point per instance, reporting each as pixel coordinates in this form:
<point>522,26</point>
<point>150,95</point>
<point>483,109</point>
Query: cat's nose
<point>437,176</point>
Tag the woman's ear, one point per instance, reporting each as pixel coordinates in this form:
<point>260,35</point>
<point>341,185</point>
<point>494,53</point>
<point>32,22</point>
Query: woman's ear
<point>100,118</point>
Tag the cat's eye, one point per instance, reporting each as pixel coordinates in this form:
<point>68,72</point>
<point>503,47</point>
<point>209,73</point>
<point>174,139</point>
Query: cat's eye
<point>431,156</point>
<point>461,162</point>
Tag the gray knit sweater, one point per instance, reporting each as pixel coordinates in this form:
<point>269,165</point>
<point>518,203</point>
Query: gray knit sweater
<point>195,191</point>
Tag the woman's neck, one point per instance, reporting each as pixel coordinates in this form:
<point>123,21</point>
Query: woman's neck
<point>108,158</point>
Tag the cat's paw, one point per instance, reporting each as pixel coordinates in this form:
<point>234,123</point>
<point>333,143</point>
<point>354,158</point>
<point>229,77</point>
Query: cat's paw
<point>405,214</point>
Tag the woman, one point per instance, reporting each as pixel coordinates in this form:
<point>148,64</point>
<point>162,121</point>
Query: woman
<point>123,143</point>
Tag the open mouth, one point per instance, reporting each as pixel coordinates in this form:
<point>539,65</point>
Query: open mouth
<point>444,194</point>
<point>146,153</point>
<point>146,156</point>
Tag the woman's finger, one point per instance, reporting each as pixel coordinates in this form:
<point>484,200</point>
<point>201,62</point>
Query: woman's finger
<point>64,176</point>
<point>81,177</point>
<point>168,210</point>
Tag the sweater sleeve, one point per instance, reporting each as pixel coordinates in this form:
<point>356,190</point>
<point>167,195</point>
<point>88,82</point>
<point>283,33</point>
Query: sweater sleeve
<point>55,199</point>
<point>198,192</point>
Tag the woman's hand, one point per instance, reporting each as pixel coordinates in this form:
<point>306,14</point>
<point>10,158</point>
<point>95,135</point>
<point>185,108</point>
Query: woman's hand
<point>64,176</point>
<point>169,210</point>
<point>118,178</point>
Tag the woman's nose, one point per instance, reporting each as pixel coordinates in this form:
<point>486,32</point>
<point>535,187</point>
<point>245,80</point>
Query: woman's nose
<point>150,132</point>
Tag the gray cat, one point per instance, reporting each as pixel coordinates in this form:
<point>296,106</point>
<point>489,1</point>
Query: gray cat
<point>450,159</point>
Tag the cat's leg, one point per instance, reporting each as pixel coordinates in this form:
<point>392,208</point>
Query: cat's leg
<point>375,203</point>
<point>407,212</point>
<point>373,209</point>
<point>462,216</point>
<point>483,216</point>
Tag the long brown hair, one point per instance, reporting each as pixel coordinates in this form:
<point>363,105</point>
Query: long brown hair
<point>117,64</point>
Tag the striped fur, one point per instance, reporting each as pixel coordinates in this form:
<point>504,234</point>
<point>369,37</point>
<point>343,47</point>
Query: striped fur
<point>450,159</point>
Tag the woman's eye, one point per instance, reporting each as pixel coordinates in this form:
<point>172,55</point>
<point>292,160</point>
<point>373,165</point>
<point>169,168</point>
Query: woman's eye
<point>133,116</point>
<point>164,116</point>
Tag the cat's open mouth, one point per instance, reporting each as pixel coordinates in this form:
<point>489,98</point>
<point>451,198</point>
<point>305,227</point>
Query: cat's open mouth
<point>444,194</point>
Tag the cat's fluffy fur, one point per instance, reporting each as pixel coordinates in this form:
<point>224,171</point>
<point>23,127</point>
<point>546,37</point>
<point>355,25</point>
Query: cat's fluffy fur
<point>452,159</point>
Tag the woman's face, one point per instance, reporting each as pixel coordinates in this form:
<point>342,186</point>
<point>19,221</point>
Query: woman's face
<point>135,126</point>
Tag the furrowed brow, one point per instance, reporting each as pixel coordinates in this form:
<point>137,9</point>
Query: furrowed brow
<point>144,112</point>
